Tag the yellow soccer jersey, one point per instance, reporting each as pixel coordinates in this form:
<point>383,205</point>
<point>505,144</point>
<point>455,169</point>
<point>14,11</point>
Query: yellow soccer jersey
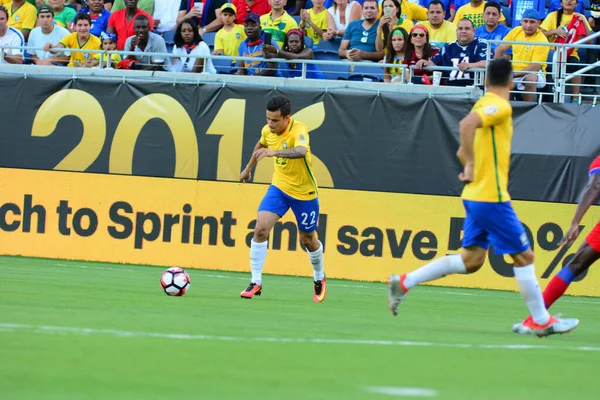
<point>23,18</point>
<point>320,20</point>
<point>71,41</point>
<point>230,41</point>
<point>278,27</point>
<point>549,24</point>
<point>524,55</point>
<point>442,36</point>
<point>492,151</point>
<point>410,11</point>
<point>475,14</point>
<point>294,176</point>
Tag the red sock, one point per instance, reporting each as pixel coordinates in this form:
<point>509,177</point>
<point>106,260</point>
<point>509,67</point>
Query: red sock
<point>557,286</point>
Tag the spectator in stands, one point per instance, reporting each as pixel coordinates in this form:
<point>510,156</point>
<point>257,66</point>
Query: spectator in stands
<point>165,15</point>
<point>144,5</point>
<point>492,30</point>
<point>22,16</point>
<point>466,53</point>
<point>359,42</point>
<point>454,6</point>
<point>81,39</point>
<point>317,23</point>
<point>343,13</point>
<point>207,13</point>
<point>278,22</point>
<point>245,7</point>
<point>594,21</point>
<point>122,22</point>
<point>98,15</point>
<point>396,49</point>
<point>567,26</point>
<point>392,18</point>
<point>229,38</point>
<point>253,47</point>
<point>46,32</point>
<point>441,32</point>
<point>413,11</point>
<point>142,42</point>
<point>10,36</point>
<point>109,43</point>
<point>528,60</point>
<point>556,5</point>
<point>190,48</point>
<point>294,48</point>
<point>293,7</point>
<point>518,7</point>
<point>63,16</point>
<point>419,49</point>
<point>474,12</point>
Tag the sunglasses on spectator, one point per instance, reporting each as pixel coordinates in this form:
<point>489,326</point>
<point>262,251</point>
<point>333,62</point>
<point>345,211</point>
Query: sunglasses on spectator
<point>418,35</point>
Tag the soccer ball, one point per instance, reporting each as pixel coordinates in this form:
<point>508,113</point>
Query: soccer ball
<point>175,281</point>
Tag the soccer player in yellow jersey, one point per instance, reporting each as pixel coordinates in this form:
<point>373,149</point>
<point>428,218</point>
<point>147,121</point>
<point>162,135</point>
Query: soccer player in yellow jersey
<point>293,186</point>
<point>484,152</point>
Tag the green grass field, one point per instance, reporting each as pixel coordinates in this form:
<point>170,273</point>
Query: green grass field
<point>76,330</point>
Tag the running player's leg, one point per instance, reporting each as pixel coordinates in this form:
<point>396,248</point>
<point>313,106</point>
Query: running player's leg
<point>472,257</point>
<point>272,207</point>
<point>586,255</point>
<point>307,216</point>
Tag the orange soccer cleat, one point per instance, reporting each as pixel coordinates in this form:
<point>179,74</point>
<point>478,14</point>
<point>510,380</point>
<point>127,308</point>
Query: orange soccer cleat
<point>251,290</point>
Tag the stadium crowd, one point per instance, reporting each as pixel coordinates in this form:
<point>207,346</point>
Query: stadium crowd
<point>422,33</point>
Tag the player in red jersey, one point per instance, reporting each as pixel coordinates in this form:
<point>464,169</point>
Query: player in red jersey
<point>588,252</point>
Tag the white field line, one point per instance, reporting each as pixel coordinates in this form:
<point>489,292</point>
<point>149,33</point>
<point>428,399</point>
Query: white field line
<point>401,391</point>
<point>49,329</point>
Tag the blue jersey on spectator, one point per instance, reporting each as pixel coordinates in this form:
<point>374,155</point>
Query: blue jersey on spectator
<point>496,34</point>
<point>99,24</point>
<point>360,38</point>
<point>255,50</point>
<point>453,54</point>
<point>518,7</point>
<point>555,5</point>
<point>312,71</point>
<point>459,3</point>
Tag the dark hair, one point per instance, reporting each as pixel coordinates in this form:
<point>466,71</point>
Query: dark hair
<point>142,18</point>
<point>466,19</point>
<point>390,52</point>
<point>398,6</point>
<point>385,28</point>
<point>2,8</point>
<point>281,104</point>
<point>298,32</point>
<point>499,72</point>
<point>410,48</point>
<point>82,16</point>
<point>560,12</point>
<point>439,3</point>
<point>493,4</point>
<point>178,39</point>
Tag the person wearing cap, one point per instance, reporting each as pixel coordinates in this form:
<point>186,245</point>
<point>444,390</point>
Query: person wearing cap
<point>474,11</point>
<point>109,43</point>
<point>10,36</point>
<point>229,38</point>
<point>46,32</point>
<point>99,16</point>
<point>360,36</point>
<point>528,59</point>
<point>245,7</point>
<point>278,22</point>
<point>253,47</point>
<point>21,16</point>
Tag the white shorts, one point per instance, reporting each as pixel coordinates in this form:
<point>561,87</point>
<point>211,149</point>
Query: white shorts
<point>541,80</point>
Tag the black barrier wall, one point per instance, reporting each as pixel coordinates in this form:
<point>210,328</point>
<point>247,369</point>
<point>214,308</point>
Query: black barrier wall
<point>367,141</point>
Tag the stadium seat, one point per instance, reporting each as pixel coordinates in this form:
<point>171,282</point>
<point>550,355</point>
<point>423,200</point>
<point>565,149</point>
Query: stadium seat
<point>507,15</point>
<point>209,38</point>
<point>335,71</point>
<point>329,45</point>
<point>223,66</point>
<point>308,42</point>
<point>169,37</point>
<point>297,18</point>
<point>370,72</point>
<point>503,3</point>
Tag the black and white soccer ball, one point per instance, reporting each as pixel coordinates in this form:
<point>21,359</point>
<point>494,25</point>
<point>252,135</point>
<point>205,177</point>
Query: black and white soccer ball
<point>175,281</point>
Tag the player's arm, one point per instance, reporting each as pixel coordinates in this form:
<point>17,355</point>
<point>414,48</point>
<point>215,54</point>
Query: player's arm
<point>247,172</point>
<point>465,152</point>
<point>590,194</point>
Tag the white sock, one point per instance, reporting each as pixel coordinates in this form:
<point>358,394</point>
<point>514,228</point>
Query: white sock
<point>530,290</point>
<point>258,255</point>
<point>436,269</point>
<point>316,259</point>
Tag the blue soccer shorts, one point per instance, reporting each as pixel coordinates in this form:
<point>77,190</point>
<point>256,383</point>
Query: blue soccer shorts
<point>306,211</point>
<point>496,224</point>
